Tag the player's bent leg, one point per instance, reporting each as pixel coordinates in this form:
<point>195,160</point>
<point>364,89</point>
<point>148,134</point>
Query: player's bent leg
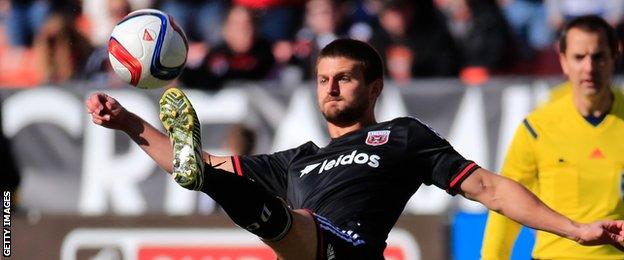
<point>180,121</point>
<point>291,234</point>
<point>301,241</point>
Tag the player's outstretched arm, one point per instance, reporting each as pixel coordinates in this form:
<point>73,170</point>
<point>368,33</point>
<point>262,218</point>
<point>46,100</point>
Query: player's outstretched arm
<point>108,112</point>
<point>513,200</point>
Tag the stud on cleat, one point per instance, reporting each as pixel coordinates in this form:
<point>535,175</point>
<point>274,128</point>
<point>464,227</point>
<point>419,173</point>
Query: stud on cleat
<point>180,120</point>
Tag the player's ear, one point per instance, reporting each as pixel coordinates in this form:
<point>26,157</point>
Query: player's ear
<point>376,87</point>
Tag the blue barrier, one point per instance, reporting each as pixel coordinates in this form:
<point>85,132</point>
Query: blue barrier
<point>467,237</point>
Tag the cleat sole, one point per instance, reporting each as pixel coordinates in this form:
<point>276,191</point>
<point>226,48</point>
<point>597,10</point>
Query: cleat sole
<point>180,120</point>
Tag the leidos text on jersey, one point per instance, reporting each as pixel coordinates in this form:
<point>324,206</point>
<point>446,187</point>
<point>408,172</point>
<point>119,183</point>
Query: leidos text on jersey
<point>346,159</point>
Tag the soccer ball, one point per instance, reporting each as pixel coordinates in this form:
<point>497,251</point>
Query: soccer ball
<point>147,49</point>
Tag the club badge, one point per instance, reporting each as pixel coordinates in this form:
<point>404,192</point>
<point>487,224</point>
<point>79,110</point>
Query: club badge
<point>376,138</point>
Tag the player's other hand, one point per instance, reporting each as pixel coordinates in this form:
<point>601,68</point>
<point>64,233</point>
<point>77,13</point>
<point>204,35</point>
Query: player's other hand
<point>106,111</point>
<point>602,232</point>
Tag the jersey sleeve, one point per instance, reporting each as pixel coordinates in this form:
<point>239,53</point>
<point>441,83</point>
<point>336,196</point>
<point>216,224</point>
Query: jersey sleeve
<point>436,160</point>
<point>268,170</point>
<point>521,166</point>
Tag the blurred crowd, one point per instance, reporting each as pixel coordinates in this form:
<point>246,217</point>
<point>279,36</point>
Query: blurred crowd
<point>60,41</point>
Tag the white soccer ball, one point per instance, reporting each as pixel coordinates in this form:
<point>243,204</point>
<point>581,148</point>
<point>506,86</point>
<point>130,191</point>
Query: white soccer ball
<point>147,49</point>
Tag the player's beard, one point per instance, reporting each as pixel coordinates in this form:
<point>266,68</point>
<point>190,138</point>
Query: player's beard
<point>348,115</point>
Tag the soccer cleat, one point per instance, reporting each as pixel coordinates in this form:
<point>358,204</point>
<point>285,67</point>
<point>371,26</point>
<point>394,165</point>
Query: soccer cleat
<point>179,119</point>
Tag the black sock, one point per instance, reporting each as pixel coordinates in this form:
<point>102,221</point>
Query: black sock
<point>248,204</point>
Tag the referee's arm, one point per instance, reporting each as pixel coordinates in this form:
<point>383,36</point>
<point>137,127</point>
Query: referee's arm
<point>513,200</point>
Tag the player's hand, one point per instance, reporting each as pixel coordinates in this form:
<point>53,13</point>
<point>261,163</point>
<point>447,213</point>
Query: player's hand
<point>602,232</point>
<point>106,111</point>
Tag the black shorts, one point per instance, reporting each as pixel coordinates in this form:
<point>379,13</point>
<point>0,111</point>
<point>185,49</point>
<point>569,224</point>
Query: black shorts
<point>337,244</point>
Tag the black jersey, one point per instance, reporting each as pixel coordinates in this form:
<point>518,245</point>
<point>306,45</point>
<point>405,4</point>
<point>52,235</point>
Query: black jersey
<point>361,181</point>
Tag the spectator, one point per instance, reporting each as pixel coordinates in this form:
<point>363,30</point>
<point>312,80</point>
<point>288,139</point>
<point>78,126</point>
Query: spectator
<point>25,18</point>
<point>361,16</point>
<point>363,11</point>
<point>240,140</point>
<point>60,50</point>
<point>200,19</point>
<point>481,32</point>
<point>16,64</point>
<point>97,67</point>
<point>322,25</point>
<point>528,20</point>
<point>241,56</point>
<point>561,11</point>
<point>428,44</point>
<point>287,70</point>
<point>102,15</point>
<point>399,61</point>
<point>277,19</point>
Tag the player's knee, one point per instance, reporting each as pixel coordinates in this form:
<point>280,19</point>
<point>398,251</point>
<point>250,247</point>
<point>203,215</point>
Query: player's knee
<point>272,223</point>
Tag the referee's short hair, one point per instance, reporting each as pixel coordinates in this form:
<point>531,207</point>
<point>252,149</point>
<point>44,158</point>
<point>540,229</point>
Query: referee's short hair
<point>590,23</point>
<point>362,52</point>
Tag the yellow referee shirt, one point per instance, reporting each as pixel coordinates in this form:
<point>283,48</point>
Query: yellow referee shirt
<point>574,167</point>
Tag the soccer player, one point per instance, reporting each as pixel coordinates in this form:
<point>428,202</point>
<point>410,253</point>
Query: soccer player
<point>571,151</point>
<point>339,201</point>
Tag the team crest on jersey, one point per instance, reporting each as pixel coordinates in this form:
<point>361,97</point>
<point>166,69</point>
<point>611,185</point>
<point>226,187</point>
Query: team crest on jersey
<point>378,137</point>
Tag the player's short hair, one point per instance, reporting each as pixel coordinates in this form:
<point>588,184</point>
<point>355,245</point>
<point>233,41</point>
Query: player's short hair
<point>590,23</point>
<point>363,53</point>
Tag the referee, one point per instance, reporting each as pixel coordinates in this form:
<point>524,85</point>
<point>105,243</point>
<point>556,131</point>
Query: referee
<point>570,152</point>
